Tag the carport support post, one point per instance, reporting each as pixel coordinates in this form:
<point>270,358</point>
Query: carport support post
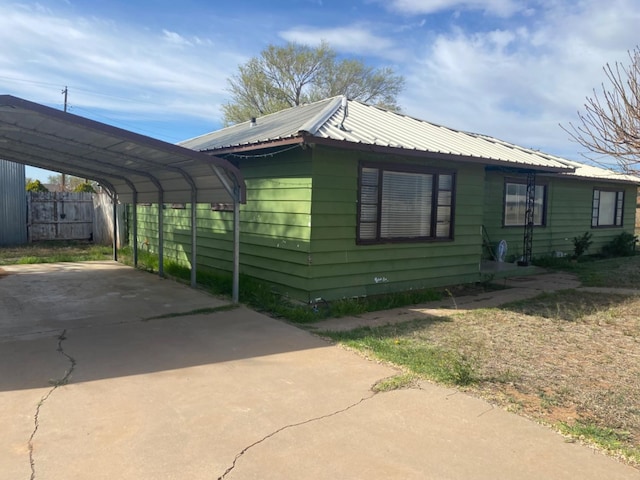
<point>135,229</point>
<point>160,234</point>
<point>235,293</point>
<point>115,229</point>
<point>194,238</point>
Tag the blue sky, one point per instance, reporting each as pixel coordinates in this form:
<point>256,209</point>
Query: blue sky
<point>507,68</point>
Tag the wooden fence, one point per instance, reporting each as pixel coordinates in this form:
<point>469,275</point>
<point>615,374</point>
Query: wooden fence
<point>72,216</point>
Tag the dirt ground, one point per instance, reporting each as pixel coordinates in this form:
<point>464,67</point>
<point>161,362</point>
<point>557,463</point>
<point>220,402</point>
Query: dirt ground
<point>555,363</point>
<point>558,352</point>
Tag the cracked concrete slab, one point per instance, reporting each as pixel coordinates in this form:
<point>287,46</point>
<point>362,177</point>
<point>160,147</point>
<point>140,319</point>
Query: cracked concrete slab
<point>184,397</point>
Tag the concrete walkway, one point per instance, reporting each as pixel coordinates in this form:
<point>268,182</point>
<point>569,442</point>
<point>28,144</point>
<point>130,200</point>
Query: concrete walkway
<point>517,288</point>
<point>231,394</point>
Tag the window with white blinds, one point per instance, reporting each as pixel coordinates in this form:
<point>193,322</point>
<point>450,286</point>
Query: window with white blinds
<point>409,205</point>
<point>606,209</point>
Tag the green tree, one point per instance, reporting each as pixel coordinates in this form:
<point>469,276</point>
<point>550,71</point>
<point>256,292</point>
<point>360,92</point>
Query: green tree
<point>71,183</point>
<point>84,187</point>
<point>283,77</point>
<point>36,186</point>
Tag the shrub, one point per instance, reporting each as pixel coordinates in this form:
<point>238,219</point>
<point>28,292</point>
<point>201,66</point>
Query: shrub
<point>581,244</point>
<point>622,245</point>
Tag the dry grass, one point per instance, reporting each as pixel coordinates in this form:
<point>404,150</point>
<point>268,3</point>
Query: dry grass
<point>566,358</point>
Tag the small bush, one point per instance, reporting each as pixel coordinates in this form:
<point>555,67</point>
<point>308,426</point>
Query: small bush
<point>622,245</point>
<point>581,244</point>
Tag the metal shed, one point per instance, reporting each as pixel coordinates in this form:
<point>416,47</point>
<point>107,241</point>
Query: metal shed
<point>13,204</point>
<point>133,168</point>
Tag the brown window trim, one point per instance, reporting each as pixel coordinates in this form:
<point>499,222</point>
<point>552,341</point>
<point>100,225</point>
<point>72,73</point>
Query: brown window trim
<point>407,168</point>
<point>523,181</point>
<point>615,213</point>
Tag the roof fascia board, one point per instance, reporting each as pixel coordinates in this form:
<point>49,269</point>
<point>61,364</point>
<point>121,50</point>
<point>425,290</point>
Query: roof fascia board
<point>256,146</point>
<point>310,140</point>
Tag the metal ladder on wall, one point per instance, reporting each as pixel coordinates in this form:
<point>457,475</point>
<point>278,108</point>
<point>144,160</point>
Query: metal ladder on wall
<point>527,242</point>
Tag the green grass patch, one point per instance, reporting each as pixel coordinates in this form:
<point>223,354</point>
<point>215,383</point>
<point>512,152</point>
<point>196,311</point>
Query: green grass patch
<point>390,343</point>
<point>609,439</point>
<point>54,252</point>
<point>397,382</point>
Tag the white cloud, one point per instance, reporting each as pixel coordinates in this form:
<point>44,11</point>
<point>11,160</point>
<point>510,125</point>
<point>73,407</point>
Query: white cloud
<point>102,62</point>
<point>357,39</point>
<point>502,8</point>
<point>520,83</point>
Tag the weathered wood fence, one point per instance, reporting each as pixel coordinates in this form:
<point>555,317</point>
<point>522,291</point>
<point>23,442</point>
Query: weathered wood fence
<point>72,216</point>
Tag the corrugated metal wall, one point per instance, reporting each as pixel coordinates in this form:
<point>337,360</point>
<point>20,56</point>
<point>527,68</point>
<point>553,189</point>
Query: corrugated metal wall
<point>13,204</point>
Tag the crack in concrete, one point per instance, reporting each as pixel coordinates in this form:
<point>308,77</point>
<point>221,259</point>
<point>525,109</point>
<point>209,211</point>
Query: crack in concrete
<point>56,383</point>
<point>315,419</point>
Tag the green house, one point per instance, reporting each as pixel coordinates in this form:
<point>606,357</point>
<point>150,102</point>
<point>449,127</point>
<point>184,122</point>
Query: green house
<point>345,199</point>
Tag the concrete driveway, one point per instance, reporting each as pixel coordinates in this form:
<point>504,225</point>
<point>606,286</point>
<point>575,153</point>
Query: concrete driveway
<point>93,386</point>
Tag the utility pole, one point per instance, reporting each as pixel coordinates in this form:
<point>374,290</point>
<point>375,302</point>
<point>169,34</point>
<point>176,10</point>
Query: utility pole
<point>65,92</point>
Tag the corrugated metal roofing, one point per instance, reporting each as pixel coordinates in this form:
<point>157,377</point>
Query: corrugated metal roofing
<point>368,125</point>
<point>122,161</point>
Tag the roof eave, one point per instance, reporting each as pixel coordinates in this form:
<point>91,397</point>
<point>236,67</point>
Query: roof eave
<point>310,140</point>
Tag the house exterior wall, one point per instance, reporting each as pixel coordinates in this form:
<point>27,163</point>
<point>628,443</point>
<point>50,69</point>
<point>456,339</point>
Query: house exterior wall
<point>568,214</point>
<point>275,225</point>
<point>13,204</point>
<point>342,268</point>
<point>298,228</point>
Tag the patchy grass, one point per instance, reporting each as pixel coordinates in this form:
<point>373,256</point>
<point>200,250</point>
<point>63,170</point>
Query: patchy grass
<point>397,382</point>
<point>402,344</point>
<point>608,439</point>
<point>568,359</point>
<point>621,272</point>
<point>54,252</point>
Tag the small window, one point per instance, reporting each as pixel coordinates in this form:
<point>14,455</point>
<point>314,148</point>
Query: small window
<point>607,208</point>
<point>399,204</point>
<point>515,204</point>
<point>222,207</point>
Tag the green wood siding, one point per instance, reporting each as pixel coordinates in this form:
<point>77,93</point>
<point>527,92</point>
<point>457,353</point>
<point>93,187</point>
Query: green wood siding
<point>275,225</point>
<point>341,268</point>
<point>569,204</point>
<point>298,228</point>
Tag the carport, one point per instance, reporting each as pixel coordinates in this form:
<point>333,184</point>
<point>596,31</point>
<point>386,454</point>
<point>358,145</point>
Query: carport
<point>132,168</point>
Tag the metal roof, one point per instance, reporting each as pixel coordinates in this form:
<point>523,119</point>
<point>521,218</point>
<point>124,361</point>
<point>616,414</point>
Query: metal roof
<point>122,161</point>
<point>369,127</point>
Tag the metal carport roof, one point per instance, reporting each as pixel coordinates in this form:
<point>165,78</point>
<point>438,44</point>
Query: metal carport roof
<point>133,168</point>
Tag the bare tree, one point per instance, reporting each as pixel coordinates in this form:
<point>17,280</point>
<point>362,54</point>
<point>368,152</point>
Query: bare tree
<point>610,123</point>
